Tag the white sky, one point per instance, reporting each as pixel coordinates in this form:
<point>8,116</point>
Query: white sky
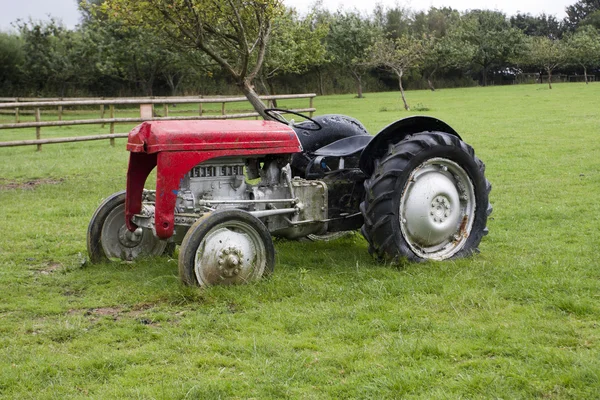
<point>66,10</point>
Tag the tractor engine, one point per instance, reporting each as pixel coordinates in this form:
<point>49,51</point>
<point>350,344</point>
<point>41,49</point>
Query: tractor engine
<point>289,207</point>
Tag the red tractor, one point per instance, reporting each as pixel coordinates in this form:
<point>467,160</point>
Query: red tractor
<point>224,187</point>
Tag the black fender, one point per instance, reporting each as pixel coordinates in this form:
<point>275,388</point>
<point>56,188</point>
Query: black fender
<point>397,131</point>
<point>334,128</point>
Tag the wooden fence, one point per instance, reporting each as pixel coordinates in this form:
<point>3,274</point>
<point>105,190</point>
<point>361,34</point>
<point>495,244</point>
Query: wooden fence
<point>146,106</point>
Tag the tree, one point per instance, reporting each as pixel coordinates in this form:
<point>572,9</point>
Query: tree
<point>12,57</point>
<point>233,33</point>
<point>51,55</point>
<point>397,56</point>
<point>296,46</point>
<point>450,51</point>
<point>347,41</point>
<point>592,19</point>
<point>583,48</point>
<point>579,11</point>
<point>495,42</point>
<point>546,53</point>
<point>540,25</point>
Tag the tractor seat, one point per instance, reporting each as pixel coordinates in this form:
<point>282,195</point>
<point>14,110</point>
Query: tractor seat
<point>345,147</point>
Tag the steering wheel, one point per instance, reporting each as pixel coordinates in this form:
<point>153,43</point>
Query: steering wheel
<point>276,114</point>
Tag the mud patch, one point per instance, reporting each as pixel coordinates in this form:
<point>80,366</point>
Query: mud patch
<point>6,184</point>
<point>50,268</point>
<point>111,312</point>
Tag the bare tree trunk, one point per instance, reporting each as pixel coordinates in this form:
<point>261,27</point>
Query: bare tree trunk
<point>320,81</point>
<point>430,84</point>
<point>272,91</point>
<point>399,74</point>
<point>485,76</point>
<point>263,85</point>
<point>585,74</point>
<point>549,78</point>
<point>358,80</point>
<point>252,97</point>
<point>429,80</point>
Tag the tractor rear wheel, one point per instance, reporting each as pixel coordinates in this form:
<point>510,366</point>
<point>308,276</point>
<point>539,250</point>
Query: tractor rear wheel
<point>226,247</point>
<point>428,199</point>
<point>108,237</point>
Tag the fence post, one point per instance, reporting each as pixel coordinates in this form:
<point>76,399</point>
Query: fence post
<point>200,109</point>
<point>310,105</point>
<point>17,116</point>
<point>60,112</point>
<point>38,130</point>
<point>102,113</point>
<point>223,108</point>
<point>166,109</point>
<point>112,124</point>
<point>146,111</point>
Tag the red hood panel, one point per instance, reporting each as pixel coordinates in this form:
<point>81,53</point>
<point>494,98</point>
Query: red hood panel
<point>157,136</point>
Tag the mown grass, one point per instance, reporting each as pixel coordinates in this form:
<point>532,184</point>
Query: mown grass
<point>519,320</point>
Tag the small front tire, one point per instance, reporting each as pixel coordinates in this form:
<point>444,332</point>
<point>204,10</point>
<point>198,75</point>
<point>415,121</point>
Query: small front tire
<point>226,247</point>
<point>108,237</point>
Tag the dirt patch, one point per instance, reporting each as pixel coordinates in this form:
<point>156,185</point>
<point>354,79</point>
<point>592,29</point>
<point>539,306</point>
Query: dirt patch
<point>95,313</point>
<point>50,268</point>
<point>6,184</point>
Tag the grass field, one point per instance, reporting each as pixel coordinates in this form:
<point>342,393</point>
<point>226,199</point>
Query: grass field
<point>519,320</point>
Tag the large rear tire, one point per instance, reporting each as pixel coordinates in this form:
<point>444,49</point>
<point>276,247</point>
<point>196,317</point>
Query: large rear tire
<point>428,199</point>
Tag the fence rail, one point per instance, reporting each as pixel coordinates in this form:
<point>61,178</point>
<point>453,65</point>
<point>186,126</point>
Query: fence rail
<point>146,106</point>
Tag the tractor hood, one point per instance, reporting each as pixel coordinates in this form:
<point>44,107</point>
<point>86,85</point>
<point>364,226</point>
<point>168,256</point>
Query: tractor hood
<point>210,135</point>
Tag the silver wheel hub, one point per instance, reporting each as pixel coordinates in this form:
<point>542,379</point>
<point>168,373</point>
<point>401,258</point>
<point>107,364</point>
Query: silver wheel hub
<point>119,242</point>
<point>231,252</point>
<point>437,209</point>
<point>230,261</point>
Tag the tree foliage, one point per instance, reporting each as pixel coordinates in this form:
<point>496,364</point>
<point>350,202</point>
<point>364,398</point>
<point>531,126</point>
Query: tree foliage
<point>583,48</point>
<point>495,42</point>
<point>148,47</point>
<point>348,39</point>
<point>397,55</point>
<point>545,53</point>
<point>233,33</point>
<point>579,11</point>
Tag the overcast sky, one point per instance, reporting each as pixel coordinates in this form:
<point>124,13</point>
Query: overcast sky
<point>66,10</point>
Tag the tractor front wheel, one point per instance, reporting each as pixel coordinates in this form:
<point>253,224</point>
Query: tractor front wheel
<point>108,237</point>
<point>426,200</point>
<point>226,247</point>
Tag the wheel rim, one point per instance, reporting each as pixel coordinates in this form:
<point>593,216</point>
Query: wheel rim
<point>119,242</point>
<point>231,252</point>
<point>437,209</point>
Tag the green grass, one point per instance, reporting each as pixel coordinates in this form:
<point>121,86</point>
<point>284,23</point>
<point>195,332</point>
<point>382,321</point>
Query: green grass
<point>519,320</point>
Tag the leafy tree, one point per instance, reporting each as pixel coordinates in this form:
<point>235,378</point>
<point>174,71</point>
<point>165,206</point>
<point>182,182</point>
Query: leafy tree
<point>494,40</point>
<point>583,48</point>
<point>51,55</point>
<point>397,56</point>
<point>579,11</point>
<point>233,33</point>
<point>347,41</point>
<point>296,46</point>
<point>540,25</point>
<point>546,53</point>
<point>396,21</point>
<point>592,19</point>
<point>450,51</point>
<point>12,57</point>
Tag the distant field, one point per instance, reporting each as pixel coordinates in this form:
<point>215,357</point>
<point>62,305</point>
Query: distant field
<point>519,320</point>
